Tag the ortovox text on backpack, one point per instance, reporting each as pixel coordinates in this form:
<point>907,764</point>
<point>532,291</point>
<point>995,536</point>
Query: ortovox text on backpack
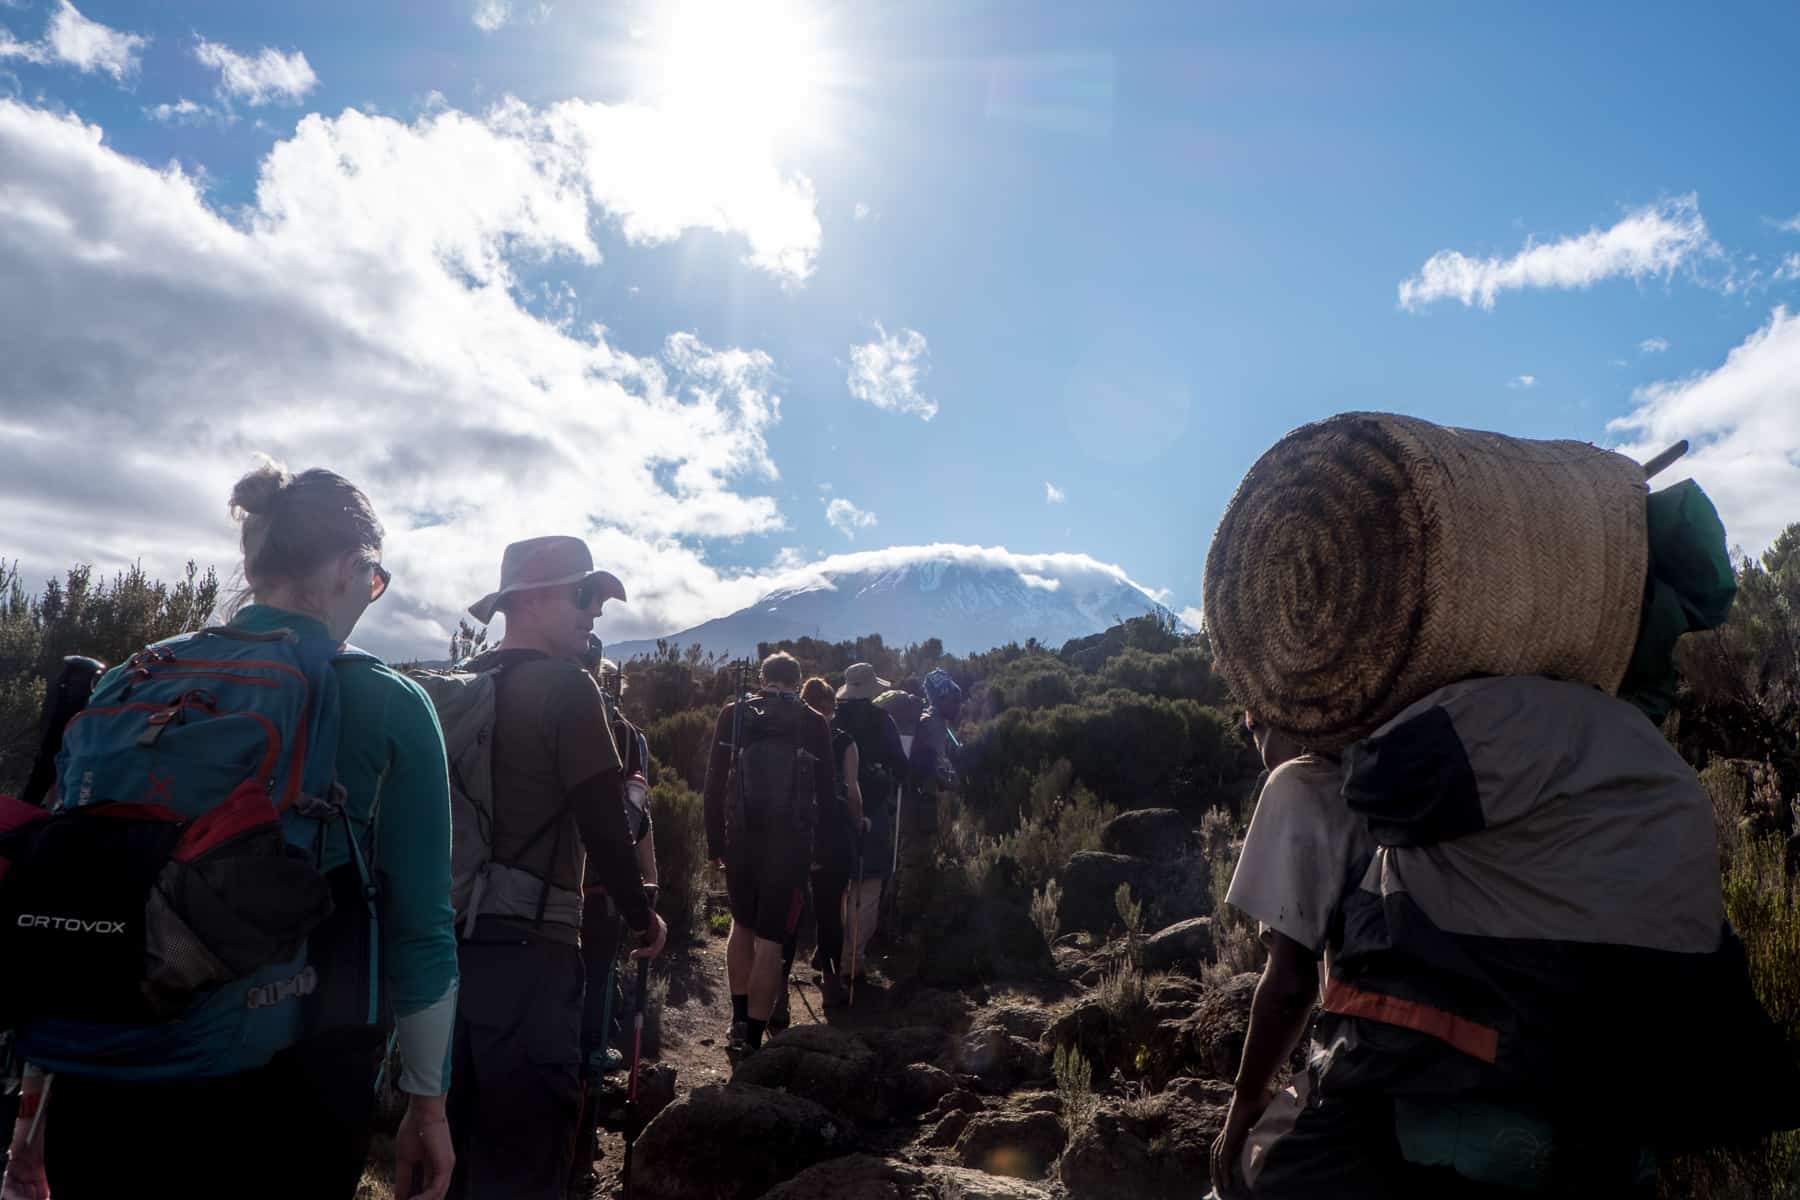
<point>154,924</point>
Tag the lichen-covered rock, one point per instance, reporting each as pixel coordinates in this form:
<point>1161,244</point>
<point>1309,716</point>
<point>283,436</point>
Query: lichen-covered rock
<point>947,1129</point>
<point>1024,1145</point>
<point>1186,944</point>
<point>1218,1025</point>
<point>734,1142</point>
<point>1177,990</point>
<point>901,1045</point>
<point>864,1177</point>
<point>1169,891</point>
<point>1027,1021</point>
<point>1155,1149</point>
<point>1002,1061</point>
<point>826,1065</point>
<point>917,1088</point>
<point>1154,833</point>
<point>1084,1025</point>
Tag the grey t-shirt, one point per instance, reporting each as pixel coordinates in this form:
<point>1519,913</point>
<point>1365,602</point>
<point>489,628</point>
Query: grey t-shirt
<point>1303,846</point>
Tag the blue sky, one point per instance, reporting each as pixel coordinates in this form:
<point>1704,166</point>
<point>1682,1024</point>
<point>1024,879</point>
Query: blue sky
<point>1120,249</point>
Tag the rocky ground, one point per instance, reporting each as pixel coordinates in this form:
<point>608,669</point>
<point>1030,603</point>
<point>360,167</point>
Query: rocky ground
<point>943,1081</point>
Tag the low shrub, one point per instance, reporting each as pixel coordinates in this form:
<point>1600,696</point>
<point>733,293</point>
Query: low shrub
<point>1075,1084</point>
<point>682,744</point>
<point>681,864</point>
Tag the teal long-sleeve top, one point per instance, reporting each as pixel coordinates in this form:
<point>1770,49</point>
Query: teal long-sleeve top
<point>391,764</point>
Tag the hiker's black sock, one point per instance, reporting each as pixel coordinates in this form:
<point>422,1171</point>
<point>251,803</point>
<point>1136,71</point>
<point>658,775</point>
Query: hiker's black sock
<point>740,1007</point>
<point>756,1032</point>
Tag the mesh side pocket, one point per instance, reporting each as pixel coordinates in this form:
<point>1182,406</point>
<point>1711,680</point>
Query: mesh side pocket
<point>177,963</point>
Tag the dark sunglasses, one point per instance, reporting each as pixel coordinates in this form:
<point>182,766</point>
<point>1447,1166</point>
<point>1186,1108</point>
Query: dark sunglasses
<point>379,581</point>
<point>587,594</point>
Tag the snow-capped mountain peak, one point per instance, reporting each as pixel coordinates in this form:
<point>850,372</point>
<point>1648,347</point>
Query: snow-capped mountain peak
<point>974,598</point>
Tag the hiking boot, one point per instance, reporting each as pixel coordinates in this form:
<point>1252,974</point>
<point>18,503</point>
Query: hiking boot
<point>778,1016</point>
<point>604,1062</point>
<point>737,1042</point>
<point>831,986</point>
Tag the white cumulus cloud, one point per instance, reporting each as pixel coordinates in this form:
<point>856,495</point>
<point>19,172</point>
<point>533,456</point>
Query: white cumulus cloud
<point>491,15</point>
<point>363,313</point>
<point>1654,240</point>
<point>846,518</point>
<point>1053,494</point>
<point>862,212</point>
<point>1791,225</point>
<point>73,40</point>
<point>887,371</point>
<point>1653,345</point>
<point>182,112</point>
<point>264,77</point>
<point>1522,381</point>
<point>1743,420</point>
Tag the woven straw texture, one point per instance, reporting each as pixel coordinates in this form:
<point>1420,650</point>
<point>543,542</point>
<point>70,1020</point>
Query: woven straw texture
<point>1369,559</point>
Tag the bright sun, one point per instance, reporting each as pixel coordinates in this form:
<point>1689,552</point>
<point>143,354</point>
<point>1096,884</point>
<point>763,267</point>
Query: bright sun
<point>758,67</point>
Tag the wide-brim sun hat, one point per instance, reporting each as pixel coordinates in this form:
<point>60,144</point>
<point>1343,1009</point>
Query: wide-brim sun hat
<point>1368,559</point>
<point>545,562</point>
<point>861,683</point>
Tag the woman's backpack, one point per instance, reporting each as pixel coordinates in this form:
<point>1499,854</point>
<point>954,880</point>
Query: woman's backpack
<point>154,925</point>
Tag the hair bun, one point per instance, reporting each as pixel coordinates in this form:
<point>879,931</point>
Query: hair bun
<point>256,492</point>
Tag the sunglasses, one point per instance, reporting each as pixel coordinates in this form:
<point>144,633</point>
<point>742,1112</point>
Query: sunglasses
<point>379,580</point>
<point>588,595</point>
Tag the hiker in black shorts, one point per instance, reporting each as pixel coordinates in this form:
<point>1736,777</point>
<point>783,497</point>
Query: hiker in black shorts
<point>769,775</point>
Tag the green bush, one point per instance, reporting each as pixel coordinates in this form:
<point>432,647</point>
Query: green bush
<point>1075,1085</point>
<point>1033,681</point>
<point>1058,817</point>
<point>1763,902</point>
<point>81,614</point>
<point>681,863</point>
<point>682,744</point>
<point>1130,748</point>
<point>1184,673</point>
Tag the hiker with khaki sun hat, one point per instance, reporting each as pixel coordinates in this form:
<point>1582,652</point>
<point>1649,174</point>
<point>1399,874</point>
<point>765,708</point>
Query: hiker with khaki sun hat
<point>536,786</point>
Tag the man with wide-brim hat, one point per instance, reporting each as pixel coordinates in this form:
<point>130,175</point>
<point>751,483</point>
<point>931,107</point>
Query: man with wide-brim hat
<point>545,562</point>
<point>557,798</point>
<point>861,683</point>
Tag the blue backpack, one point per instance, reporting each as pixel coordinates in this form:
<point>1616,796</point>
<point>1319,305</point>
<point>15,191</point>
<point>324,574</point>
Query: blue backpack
<point>156,920</point>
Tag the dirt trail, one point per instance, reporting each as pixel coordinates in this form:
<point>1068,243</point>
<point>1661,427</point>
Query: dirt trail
<point>695,1019</point>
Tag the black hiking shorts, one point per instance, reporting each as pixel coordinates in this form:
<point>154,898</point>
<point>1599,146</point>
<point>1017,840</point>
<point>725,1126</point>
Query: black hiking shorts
<point>767,888</point>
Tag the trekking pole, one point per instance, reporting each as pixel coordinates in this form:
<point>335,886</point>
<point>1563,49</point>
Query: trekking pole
<point>637,1054</point>
<point>587,1118</point>
<point>894,868</point>
<point>606,1001</point>
<point>856,917</point>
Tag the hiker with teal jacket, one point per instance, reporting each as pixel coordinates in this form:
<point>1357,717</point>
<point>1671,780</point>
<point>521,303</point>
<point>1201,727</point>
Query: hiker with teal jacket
<point>264,1084</point>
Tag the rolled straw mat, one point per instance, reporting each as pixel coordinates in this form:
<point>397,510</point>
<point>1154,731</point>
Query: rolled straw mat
<point>1369,559</point>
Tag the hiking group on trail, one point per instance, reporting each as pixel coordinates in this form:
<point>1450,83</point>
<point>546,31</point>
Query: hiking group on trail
<point>1485,882</point>
<point>313,857</point>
